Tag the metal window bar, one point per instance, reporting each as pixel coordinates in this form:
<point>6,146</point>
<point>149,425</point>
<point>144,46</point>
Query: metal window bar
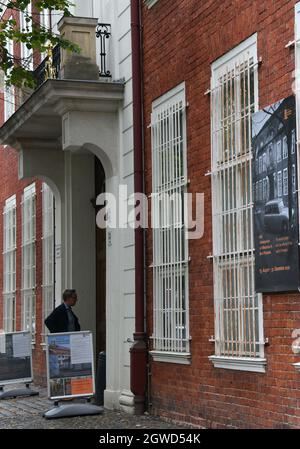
<point>103,32</point>
<point>170,259</point>
<point>238,307</point>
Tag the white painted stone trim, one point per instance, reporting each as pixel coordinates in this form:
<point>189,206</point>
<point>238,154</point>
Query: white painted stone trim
<point>150,3</point>
<point>239,363</point>
<point>171,357</point>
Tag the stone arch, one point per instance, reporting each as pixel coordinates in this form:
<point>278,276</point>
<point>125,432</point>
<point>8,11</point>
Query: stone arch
<point>109,167</point>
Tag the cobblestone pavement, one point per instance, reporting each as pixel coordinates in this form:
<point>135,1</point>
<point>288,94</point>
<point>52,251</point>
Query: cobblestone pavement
<point>27,413</point>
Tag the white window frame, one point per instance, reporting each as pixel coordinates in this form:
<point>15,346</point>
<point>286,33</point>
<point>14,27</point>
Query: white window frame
<point>45,18</point>
<point>285,151</point>
<point>9,91</point>
<point>171,338</point>
<point>260,190</point>
<point>285,185</point>
<point>48,287</point>
<point>235,261</point>
<point>293,144</point>
<point>279,151</point>
<point>279,184</point>
<point>294,178</point>
<point>9,264</point>
<point>264,162</point>
<point>28,290</point>
<point>275,183</point>
<point>26,53</point>
<point>260,164</point>
<point>265,189</point>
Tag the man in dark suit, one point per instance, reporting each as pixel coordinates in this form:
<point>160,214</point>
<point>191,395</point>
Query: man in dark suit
<point>63,319</point>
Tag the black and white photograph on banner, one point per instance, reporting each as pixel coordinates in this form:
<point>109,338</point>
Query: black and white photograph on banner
<point>274,171</point>
<point>70,365</point>
<point>15,358</point>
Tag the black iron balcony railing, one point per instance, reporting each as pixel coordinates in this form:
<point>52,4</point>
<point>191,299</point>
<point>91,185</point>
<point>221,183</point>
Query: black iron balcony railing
<point>103,32</point>
<point>49,67</point>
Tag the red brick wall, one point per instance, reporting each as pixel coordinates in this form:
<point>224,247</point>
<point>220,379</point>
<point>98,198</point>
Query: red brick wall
<point>181,38</point>
<point>10,185</point>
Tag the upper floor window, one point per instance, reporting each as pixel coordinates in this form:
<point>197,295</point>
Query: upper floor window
<point>284,148</point>
<point>26,27</point>
<point>279,153</point>
<point>9,91</point>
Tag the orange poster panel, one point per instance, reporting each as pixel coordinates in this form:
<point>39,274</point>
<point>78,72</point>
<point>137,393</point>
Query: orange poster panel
<point>82,386</point>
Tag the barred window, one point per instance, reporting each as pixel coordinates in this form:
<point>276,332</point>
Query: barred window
<point>238,309</point>
<point>29,259</point>
<point>48,252</point>
<point>170,248</point>
<point>9,265</point>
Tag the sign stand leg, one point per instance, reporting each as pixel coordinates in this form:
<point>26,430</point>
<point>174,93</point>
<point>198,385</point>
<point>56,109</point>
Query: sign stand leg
<point>69,410</point>
<point>18,392</point>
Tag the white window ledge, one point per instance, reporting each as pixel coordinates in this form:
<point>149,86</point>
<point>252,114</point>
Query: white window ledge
<point>150,3</point>
<point>183,358</point>
<point>239,363</point>
<point>297,366</point>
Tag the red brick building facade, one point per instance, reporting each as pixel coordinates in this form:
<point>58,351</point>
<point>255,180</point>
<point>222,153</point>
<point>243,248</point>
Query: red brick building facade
<point>12,187</point>
<point>181,41</point>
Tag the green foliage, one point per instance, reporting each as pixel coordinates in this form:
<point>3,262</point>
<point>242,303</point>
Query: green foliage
<point>33,35</point>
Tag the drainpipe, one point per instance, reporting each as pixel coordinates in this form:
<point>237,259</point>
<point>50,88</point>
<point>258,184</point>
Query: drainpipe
<point>138,352</point>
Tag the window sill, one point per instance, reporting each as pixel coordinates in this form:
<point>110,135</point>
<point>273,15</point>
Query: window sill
<point>171,357</point>
<point>240,364</point>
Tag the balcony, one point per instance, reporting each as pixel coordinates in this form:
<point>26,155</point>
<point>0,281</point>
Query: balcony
<point>51,65</point>
<point>69,87</point>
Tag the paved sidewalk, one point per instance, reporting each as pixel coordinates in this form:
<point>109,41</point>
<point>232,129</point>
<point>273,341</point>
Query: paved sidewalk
<point>27,413</point>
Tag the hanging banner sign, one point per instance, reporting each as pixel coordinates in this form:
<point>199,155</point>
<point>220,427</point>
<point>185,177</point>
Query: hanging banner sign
<point>70,365</point>
<point>15,358</point>
<point>275,188</point>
